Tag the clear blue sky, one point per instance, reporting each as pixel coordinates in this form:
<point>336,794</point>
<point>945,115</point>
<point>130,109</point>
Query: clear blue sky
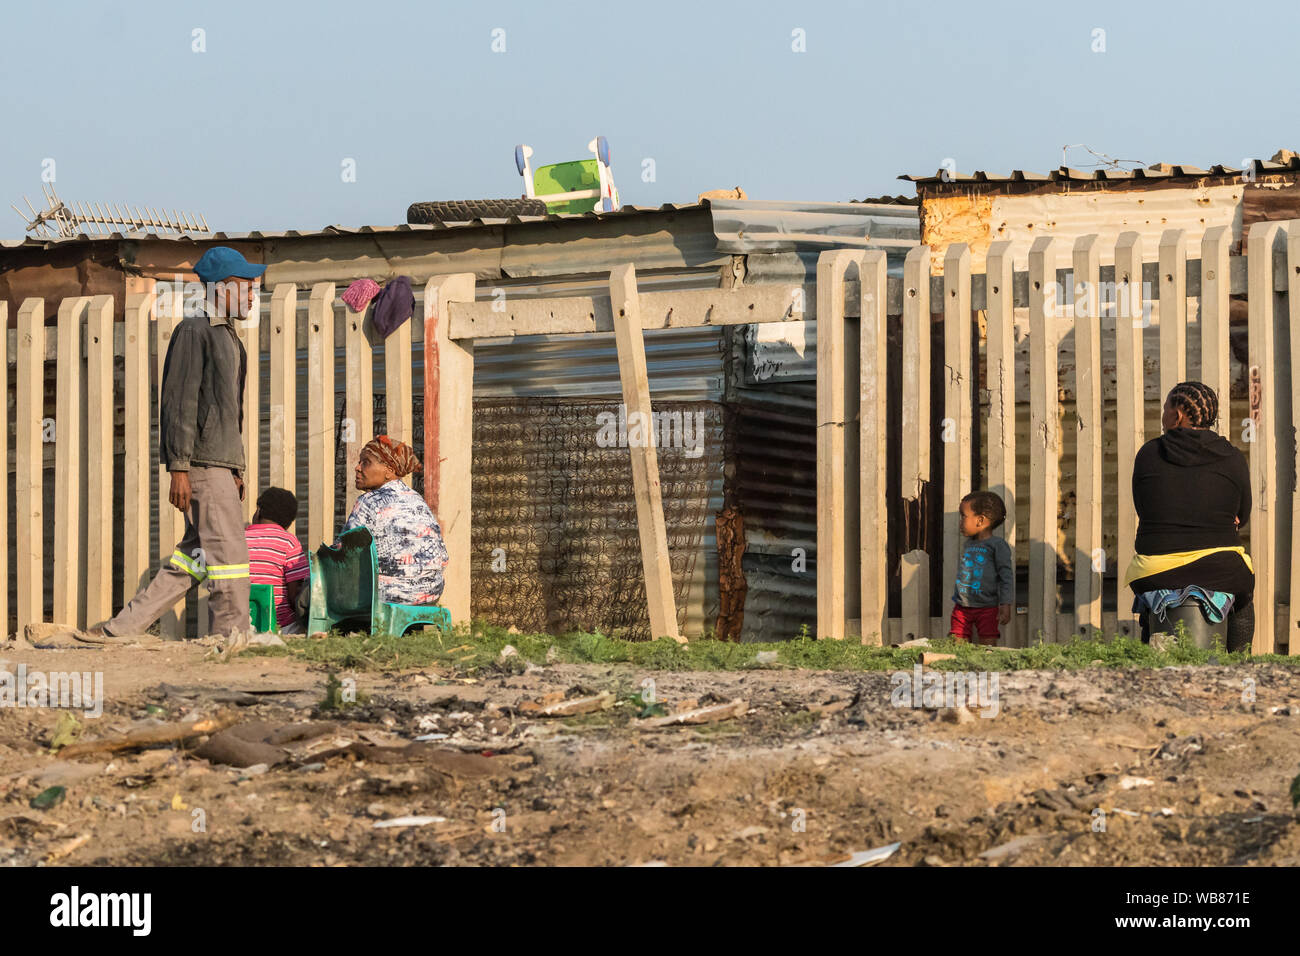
<point>253,131</point>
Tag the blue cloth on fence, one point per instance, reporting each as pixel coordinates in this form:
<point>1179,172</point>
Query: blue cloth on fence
<point>1215,604</point>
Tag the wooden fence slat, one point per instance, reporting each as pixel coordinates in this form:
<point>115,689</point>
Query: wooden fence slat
<point>249,331</point>
<point>284,386</point>
<point>917,434</point>
<point>873,418</point>
<point>1262,375</point>
<point>451,392</point>
<point>1289,451</point>
<point>1088,385</point>
<point>1173,309</point>
<point>652,529</point>
<point>1130,408</point>
<point>136,478</point>
<point>69,530</point>
<point>99,460</point>
<point>320,414</point>
<point>833,494</point>
<point>1044,440</point>
<point>171,523</point>
<point>1215,348</point>
<point>398,391</point>
<point>4,484</point>
<point>1001,355</point>
<point>359,423</point>
<point>29,456</point>
<point>955,429</point>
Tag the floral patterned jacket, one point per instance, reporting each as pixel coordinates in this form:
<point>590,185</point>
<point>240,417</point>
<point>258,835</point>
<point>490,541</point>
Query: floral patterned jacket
<point>408,542</point>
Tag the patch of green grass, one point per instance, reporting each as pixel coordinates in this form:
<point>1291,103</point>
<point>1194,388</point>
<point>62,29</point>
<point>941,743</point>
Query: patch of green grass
<point>477,650</point>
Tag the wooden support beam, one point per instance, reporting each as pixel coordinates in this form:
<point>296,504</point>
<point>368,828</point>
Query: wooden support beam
<point>99,461</point>
<point>955,429</point>
<point>359,423</point>
<point>1173,309</point>
<point>29,454</point>
<point>681,308</point>
<point>838,573</point>
<point>645,462</point>
<point>398,388</point>
<point>1216,352</point>
<point>137,481</point>
<point>1130,408</point>
<point>320,414</point>
<point>917,434</point>
<point>873,519</point>
<point>448,450</point>
<point>1089,558</point>
<point>1044,440</point>
<point>69,530</point>
<point>284,387</point>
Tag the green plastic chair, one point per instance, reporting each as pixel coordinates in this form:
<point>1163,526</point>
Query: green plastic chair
<point>345,594</point>
<point>261,609</point>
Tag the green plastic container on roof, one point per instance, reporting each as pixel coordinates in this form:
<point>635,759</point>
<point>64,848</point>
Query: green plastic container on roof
<point>565,178</point>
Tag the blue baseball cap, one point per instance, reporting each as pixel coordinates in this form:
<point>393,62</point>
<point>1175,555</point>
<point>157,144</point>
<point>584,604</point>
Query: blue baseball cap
<point>222,262</point>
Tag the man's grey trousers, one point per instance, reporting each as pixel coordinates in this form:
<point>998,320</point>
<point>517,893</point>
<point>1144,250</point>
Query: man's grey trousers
<point>213,549</point>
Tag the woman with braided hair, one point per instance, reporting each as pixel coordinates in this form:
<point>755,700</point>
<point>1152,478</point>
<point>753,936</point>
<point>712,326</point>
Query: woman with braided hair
<point>1191,491</point>
<point>408,542</point>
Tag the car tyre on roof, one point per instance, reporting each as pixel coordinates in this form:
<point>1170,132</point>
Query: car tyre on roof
<point>462,210</point>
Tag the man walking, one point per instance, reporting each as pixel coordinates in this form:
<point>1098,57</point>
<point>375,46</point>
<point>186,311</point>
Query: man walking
<point>201,421</point>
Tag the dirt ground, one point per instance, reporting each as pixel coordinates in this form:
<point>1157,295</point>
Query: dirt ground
<point>1177,765</point>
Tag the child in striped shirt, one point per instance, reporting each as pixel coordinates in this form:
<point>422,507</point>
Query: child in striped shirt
<point>275,557</point>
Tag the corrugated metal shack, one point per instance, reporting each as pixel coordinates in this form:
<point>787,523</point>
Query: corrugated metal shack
<point>979,208</point>
<point>571,556</point>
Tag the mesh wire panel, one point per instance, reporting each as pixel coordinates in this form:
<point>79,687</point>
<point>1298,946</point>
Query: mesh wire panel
<point>554,534</point>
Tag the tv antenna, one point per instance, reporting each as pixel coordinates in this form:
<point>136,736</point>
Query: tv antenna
<point>63,220</point>
<point>1108,161</point>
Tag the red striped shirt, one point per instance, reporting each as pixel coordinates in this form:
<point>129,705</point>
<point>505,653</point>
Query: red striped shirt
<point>275,557</point>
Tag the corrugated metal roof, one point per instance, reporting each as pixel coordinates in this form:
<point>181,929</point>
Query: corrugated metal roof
<point>750,225</point>
<point>259,235</point>
<point>1161,172</point>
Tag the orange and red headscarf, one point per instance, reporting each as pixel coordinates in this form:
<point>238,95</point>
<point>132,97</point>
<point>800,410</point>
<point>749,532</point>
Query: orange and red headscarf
<point>396,455</point>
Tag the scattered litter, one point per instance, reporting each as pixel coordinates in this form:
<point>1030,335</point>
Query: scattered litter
<point>48,799</point>
<point>698,715</point>
<point>1129,783</point>
<point>932,657</point>
<point>1013,847</point>
<point>311,767</point>
<point>508,651</point>
<point>150,736</point>
<point>766,657</point>
<point>66,731</point>
<point>831,706</point>
<point>1166,811</point>
<point>407,822</point>
<point>264,639</point>
<point>1127,813</point>
<point>548,706</point>
<point>918,642</point>
<point>552,655</point>
<point>67,848</point>
<point>868,857</point>
<point>424,737</point>
<point>178,803</point>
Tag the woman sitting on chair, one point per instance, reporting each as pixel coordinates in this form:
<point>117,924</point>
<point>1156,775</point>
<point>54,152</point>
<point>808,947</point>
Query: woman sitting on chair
<point>408,541</point>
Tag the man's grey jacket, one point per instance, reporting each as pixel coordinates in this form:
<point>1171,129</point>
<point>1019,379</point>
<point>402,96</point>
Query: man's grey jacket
<point>201,414</point>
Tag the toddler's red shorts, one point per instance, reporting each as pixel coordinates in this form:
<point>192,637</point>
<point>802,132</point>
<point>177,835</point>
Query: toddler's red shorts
<point>984,620</point>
